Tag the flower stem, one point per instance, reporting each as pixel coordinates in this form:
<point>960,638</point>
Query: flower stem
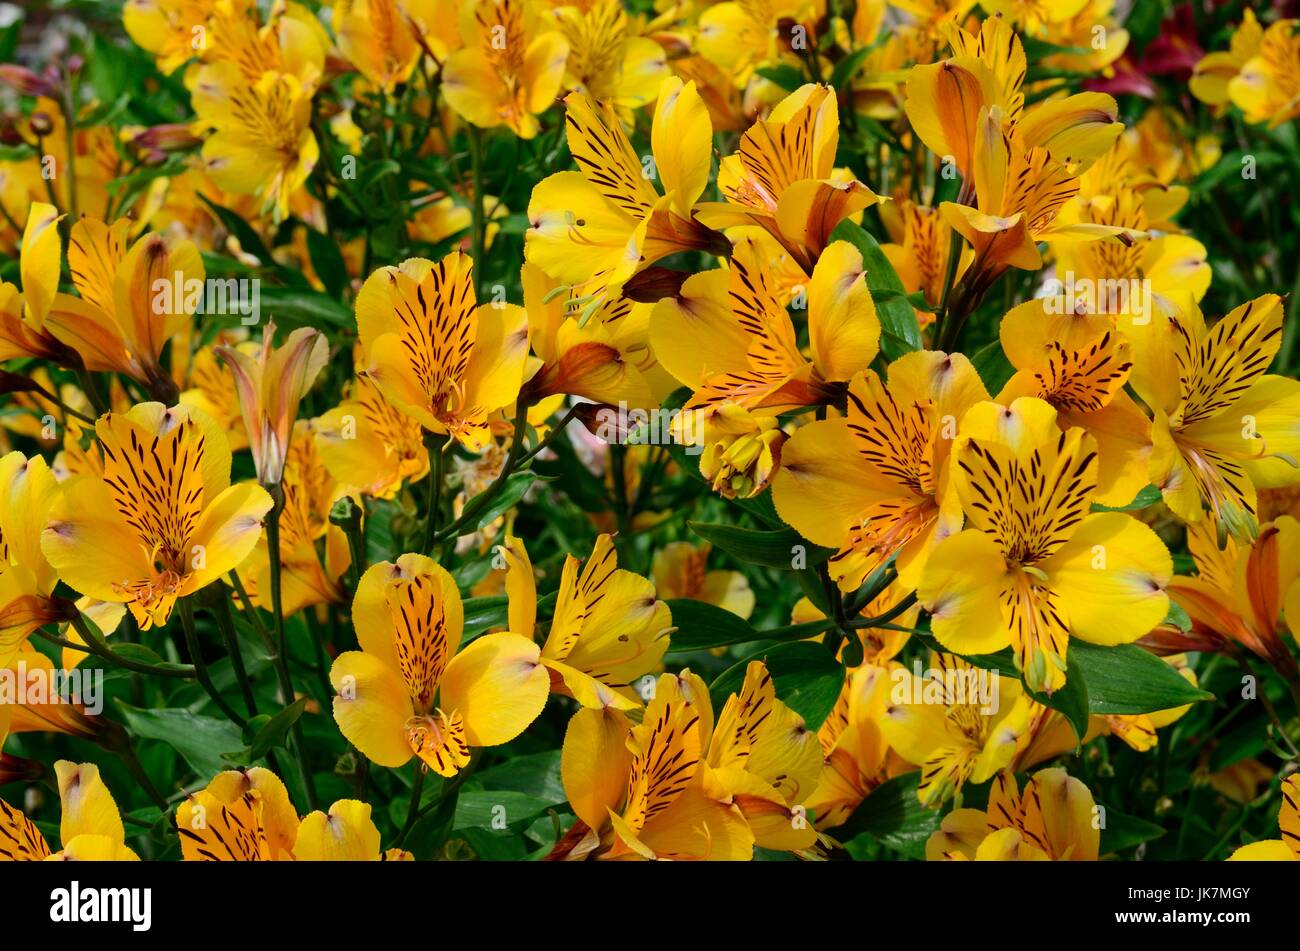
<point>436,444</point>
<point>280,655</point>
<point>96,646</point>
<point>200,669</point>
<point>476,206</point>
<point>220,600</point>
<point>413,808</point>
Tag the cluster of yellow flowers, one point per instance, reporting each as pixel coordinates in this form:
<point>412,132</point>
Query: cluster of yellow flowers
<point>982,539</point>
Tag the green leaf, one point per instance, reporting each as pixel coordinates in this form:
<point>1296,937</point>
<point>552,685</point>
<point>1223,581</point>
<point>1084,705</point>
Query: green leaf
<point>1177,616</point>
<point>1126,679</point>
<point>899,331</point>
<point>199,740</point>
<point>296,307</point>
<point>275,730</point>
<point>807,678</point>
<point>511,494</point>
<point>893,816</point>
<point>376,172</point>
<point>249,240</point>
<point>777,548</point>
<point>430,832</point>
<point>1150,495</point>
<point>993,366</point>
<point>481,808</point>
<point>848,67</point>
<point>1122,832</point>
<point>700,626</point>
<point>1071,700</point>
<point>485,612</point>
<point>784,75</point>
<point>327,261</point>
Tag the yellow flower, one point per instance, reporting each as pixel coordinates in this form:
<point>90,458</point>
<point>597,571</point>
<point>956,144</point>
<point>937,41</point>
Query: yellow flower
<point>434,353</point>
<point>1033,567</point>
<point>1287,848</point>
<point>740,451</point>
<point>369,445</point>
<point>410,691</point>
<point>606,359</point>
<point>307,579</point>
<point>1079,364</point>
<point>595,228</point>
<point>162,521</point>
<point>875,482</point>
<point>920,256</point>
<point>1267,89</point>
<point>680,571</point>
<point>783,177</point>
<point>609,628</point>
<point>510,68</point>
<point>607,60</point>
<point>1243,591</point>
<point>1223,425</point>
<point>384,39</point>
<point>27,492</point>
<point>678,787</point>
<point>727,336</point>
<point>91,828</point>
<point>1054,819</point>
<point>1215,74</point>
<point>955,724</point>
<point>133,299</point>
<point>270,384</point>
<point>245,816</point>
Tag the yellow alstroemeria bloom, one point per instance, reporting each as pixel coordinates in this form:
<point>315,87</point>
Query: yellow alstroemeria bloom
<point>510,68</point>
<point>607,358</point>
<point>170,29</point>
<point>981,84</point>
<point>162,521</point>
<point>1033,567</point>
<point>920,252</point>
<point>609,628</point>
<point>437,355</point>
<point>727,336</point>
<point>1287,848</point>
<point>1242,591</point>
<point>309,492</point>
<point>270,383</point>
<point>1079,363</point>
<point>607,59</point>
<point>955,723</point>
<point>369,445</point>
<point>411,691</point>
<point>1053,819</point>
<point>595,228</point>
<point>677,786</point>
<point>857,754</point>
<point>1268,87</point>
<point>1223,425</point>
<point>783,177</point>
<point>876,481</point>
<point>48,714</point>
<point>1214,74</point>
<point>246,816</point>
<point>739,449</point>
<point>90,829</point>
<point>133,299</point>
<point>383,39</point>
<point>681,571</point>
<point>28,490</point>
<point>258,133</point>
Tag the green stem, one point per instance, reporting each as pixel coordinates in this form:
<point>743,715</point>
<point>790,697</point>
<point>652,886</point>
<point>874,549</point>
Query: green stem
<point>475,506</point>
<point>476,206</point>
<point>196,655</point>
<point>281,652</point>
<point>436,445</point>
<point>247,604</point>
<point>220,600</point>
<point>413,808</point>
<point>70,140</point>
<point>96,646</point>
